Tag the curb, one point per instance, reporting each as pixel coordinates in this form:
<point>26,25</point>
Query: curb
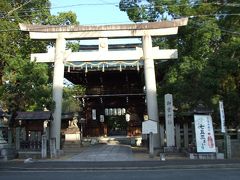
<point>129,168</point>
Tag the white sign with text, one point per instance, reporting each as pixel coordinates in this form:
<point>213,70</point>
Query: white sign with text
<point>204,133</point>
<point>169,120</point>
<point>149,126</point>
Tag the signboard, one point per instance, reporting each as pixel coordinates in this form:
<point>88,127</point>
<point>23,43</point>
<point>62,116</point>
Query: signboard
<point>204,133</point>
<point>222,116</point>
<point>149,126</point>
<point>169,120</point>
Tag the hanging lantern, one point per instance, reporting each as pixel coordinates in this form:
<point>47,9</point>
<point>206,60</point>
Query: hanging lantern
<point>119,111</point>
<point>138,66</point>
<point>86,68</point>
<point>145,117</point>
<point>103,68</point>
<point>115,111</point>
<point>94,114</point>
<point>123,111</point>
<point>101,118</point>
<point>127,117</point>
<point>106,112</point>
<point>110,112</point>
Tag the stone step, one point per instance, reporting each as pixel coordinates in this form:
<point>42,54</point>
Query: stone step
<point>172,156</point>
<point>71,142</point>
<point>175,154</point>
<point>72,146</point>
<point>71,151</point>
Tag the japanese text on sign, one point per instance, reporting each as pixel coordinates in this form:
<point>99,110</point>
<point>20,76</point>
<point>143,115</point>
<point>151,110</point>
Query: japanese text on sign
<point>204,133</point>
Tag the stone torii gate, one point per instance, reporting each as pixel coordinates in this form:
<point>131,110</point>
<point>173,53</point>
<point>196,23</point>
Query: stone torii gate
<point>61,56</point>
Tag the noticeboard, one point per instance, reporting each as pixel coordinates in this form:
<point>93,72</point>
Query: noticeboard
<point>149,126</point>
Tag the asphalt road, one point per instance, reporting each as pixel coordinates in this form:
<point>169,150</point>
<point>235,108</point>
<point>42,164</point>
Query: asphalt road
<point>178,174</point>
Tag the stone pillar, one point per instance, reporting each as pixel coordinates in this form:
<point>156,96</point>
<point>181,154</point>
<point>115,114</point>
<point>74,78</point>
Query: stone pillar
<point>161,128</point>
<point>185,134</point>
<point>10,137</point>
<point>169,120</point>
<point>178,135</point>
<point>150,83</point>
<point>44,146</point>
<point>58,90</point>
<point>53,150</point>
<point>17,141</point>
<point>151,147</point>
<point>193,133</point>
<point>228,149</point>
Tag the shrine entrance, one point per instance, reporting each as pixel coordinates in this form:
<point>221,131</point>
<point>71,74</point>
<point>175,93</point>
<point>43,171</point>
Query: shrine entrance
<point>117,125</point>
<point>144,55</point>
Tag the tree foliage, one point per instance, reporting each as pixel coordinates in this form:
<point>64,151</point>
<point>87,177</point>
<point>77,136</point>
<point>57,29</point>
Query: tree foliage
<point>208,67</point>
<point>26,85</point>
<point>71,101</point>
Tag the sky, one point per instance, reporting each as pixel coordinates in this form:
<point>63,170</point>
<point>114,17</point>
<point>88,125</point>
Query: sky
<point>92,12</point>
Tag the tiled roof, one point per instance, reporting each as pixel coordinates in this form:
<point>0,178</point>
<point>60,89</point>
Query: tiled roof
<point>37,115</point>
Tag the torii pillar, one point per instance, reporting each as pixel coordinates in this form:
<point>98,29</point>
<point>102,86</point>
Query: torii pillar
<point>58,76</point>
<point>150,83</point>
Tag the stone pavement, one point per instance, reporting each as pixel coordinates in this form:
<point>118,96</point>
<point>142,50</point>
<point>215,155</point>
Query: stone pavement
<point>104,152</point>
<point>111,152</point>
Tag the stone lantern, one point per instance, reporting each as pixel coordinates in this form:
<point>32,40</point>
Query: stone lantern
<point>3,142</point>
<point>3,125</point>
<point>6,151</point>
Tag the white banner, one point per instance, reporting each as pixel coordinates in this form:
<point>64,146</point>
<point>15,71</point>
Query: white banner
<point>204,133</point>
<point>222,116</point>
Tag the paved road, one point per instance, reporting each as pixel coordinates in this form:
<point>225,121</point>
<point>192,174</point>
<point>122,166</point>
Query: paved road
<point>196,174</point>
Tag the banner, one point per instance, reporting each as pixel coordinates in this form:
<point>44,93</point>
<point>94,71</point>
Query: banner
<point>222,116</point>
<point>204,133</point>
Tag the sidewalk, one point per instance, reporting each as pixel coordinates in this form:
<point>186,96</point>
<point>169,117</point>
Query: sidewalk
<point>115,157</point>
<point>117,165</point>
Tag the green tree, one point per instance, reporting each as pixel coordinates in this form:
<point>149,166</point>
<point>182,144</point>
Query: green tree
<point>19,78</point>
<point>71,103</point>
<point>207,69</point>
<point>25,85</point>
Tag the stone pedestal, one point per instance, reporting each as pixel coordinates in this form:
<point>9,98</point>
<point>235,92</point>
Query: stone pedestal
<point>7,152</point>
<point>72,134</point>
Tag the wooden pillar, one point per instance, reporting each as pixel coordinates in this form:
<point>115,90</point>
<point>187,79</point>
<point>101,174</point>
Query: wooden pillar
<point>58,90</point>
<point>185,134</point>
<point>178,135</point>
<point>150,83</point>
